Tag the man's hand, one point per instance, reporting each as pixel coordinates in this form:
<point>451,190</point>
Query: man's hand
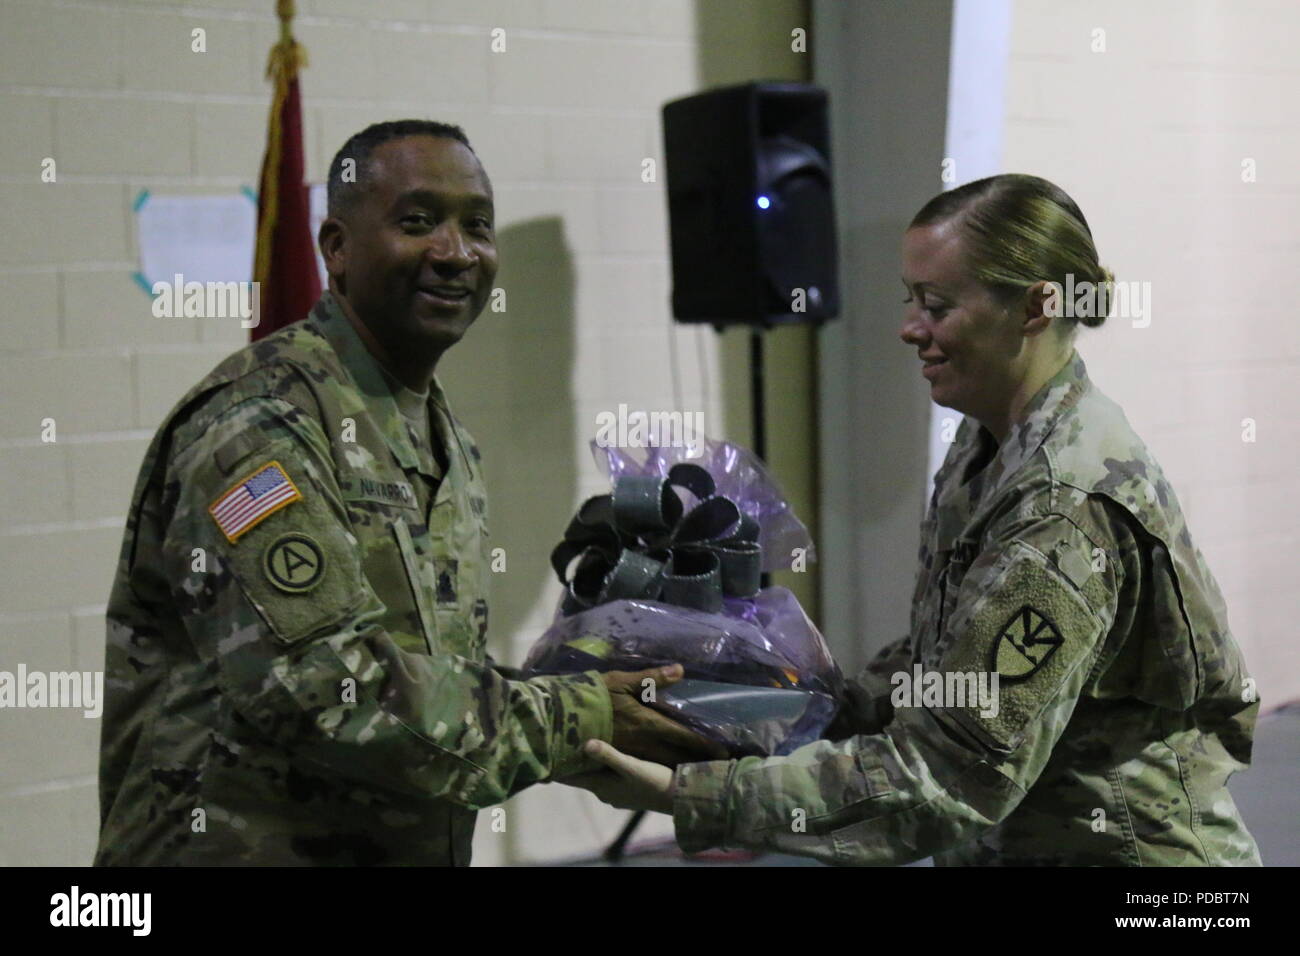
<point>627,783</point>
<point>642,732</point>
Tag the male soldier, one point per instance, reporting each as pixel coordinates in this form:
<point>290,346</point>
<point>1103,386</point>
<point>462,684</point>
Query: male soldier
<point>296,666</point>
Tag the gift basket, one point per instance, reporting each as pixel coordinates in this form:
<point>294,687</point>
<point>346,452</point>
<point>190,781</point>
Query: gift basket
<point>666,568</point>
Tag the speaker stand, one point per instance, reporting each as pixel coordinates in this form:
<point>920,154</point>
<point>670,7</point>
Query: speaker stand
<point>757,406</point>
<point>758,411</point>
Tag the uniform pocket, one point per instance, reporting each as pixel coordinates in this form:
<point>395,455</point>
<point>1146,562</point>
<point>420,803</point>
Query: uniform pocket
<point>416,581</point>
<point>866,782</point>
<point>949,586</point>
<point>457,584</point>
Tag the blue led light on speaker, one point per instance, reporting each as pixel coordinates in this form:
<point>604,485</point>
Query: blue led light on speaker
<point>764,202</point>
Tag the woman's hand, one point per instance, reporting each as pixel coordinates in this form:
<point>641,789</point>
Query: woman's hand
<point>627,782</point>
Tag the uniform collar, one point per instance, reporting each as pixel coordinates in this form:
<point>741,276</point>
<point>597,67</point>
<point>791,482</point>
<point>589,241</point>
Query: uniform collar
<point>959,499</point>
<point>1039,416</point>
<point>377,397</point>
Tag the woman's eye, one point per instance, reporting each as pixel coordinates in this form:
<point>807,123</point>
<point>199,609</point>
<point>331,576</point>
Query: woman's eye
<point>936,311</point>
<point>417,219</point>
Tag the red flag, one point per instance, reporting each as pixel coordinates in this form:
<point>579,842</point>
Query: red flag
<point>284,265</point>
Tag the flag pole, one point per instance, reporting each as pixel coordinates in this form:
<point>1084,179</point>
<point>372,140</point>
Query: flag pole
<point>284,263</point>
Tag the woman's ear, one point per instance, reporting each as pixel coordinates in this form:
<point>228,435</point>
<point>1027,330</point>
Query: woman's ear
<point>1040,304</point>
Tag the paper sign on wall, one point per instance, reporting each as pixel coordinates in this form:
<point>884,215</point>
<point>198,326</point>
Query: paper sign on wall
<point>205,238</point>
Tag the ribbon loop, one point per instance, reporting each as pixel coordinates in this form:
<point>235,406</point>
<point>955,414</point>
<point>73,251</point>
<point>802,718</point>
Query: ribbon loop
<point>645,504</point>
<point>636,543</point>
<point>713,519</point>
<point>696,580</point>
<point>741,568</point>
<point>694,478</point>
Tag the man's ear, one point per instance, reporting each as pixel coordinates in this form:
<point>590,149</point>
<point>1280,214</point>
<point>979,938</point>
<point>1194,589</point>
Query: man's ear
<point>333,242</point>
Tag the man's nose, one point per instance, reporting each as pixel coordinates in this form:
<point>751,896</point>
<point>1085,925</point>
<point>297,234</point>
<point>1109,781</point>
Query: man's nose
<point>448,248</point>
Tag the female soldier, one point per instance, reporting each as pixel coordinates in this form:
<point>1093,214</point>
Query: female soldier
<point>1054,560</point>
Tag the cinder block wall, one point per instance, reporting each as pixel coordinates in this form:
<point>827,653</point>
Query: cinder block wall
<point>1152,136</point>
<point>562,119</point>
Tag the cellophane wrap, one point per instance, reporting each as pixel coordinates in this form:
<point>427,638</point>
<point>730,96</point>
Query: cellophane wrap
<point>759,678</point>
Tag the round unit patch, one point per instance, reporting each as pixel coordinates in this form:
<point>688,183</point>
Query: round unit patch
<point>294,562</point>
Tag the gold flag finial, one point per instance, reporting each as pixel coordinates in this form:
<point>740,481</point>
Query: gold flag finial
<point>287,56</point>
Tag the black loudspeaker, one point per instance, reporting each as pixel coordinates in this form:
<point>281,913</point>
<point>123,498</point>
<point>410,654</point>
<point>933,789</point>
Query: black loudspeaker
<point>749,206</point>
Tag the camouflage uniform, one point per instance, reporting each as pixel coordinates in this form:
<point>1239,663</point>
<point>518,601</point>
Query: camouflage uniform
<point>317,687</point>
<point>1064,565</point>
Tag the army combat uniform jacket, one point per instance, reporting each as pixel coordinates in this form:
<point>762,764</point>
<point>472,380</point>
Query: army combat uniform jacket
<point>295,663</point>
<point>1060,562</point>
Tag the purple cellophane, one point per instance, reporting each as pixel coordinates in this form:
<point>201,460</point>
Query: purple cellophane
<point>766,641</point>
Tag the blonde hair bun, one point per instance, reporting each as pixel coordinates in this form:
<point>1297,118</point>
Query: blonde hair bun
<point>1107,279</point>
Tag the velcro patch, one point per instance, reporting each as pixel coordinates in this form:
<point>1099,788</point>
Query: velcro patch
<point>1025,622</point>
<point>254,499</point>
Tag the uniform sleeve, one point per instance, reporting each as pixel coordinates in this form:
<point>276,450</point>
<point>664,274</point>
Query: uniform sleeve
<point>1030,610</point>
<point>287,619</point>
<point>866,708</point>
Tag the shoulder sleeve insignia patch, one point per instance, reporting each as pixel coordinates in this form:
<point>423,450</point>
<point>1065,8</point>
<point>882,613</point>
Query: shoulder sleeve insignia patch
<point>1024,644</point>
<point>254,499</point>
<point>294,562</point>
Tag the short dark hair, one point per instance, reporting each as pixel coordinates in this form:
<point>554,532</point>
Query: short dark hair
<point>343,195</point>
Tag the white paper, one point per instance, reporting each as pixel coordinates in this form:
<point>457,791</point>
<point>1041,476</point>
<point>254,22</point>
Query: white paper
<point>203,238</point>
<point>207,238</point>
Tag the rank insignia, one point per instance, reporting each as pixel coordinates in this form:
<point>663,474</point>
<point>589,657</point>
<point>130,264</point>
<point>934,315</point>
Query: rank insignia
<point>446,570</point>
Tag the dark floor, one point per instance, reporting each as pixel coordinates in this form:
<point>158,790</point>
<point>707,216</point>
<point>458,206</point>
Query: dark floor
<point>1268,796</point>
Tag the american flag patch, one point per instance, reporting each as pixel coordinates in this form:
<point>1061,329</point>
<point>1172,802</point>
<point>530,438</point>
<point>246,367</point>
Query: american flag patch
<point>258,496</point>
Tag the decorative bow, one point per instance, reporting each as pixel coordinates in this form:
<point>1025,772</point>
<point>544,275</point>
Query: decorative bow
<point>638,544</point>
